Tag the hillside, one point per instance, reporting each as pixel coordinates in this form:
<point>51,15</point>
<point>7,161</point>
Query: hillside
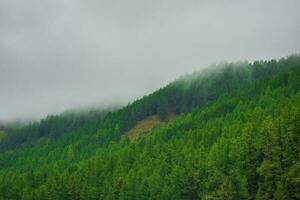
<point>235,135</point>
<point>53,126</point>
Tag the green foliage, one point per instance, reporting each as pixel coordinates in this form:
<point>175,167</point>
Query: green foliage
<point>236,136</point>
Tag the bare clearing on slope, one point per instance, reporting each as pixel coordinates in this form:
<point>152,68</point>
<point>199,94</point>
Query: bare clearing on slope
<point>142,127</point>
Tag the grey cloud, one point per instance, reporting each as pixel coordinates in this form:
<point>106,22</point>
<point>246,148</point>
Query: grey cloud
<point>60,54</point>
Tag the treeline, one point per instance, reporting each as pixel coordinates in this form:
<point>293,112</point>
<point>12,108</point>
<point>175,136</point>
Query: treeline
<point>51,127</point>
<point>199,89</point>
<point>242,142</point>
<point>180,96</point>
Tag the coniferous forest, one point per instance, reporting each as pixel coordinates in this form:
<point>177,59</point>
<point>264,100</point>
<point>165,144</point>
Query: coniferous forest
<point>229,132</point>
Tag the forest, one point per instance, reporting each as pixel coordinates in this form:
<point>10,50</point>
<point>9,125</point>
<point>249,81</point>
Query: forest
<point>231,131</point>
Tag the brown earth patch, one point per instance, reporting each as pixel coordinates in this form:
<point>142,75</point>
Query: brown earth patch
<point>144,126</point>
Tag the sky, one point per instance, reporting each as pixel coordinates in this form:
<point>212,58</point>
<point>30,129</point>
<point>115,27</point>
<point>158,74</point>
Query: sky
<point>62,54</point>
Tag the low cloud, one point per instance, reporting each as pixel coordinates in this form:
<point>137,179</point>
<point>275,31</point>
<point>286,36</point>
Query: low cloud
<point>60,54</point>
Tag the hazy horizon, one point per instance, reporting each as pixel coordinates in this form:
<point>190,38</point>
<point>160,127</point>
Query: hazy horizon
<point>59,55</point>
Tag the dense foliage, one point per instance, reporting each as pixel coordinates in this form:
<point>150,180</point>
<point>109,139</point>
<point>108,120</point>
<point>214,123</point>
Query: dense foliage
<point>53,126</point>
<point>236,136</point>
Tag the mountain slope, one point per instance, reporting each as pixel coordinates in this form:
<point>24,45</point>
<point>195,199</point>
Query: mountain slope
<point>236,136</point>
<point>180,96</point>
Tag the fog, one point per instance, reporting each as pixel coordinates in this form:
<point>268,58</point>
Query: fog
<point>62,54</point>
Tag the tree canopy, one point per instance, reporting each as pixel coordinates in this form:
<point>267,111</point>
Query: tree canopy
<point>235,136</point>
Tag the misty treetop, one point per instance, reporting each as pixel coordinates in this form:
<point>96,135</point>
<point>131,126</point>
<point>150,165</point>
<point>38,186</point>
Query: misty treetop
<point>235,135</point>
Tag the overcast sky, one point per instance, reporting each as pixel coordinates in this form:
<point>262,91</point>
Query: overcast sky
<point>60,54</point>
